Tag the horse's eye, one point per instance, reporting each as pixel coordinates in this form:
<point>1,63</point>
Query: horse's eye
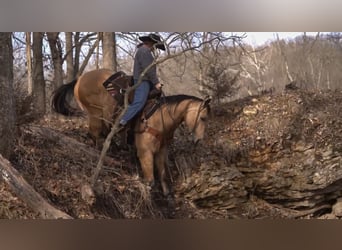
<point>203,119</point>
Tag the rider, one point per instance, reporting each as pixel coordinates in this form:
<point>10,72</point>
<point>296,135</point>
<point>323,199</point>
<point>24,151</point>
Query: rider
<point>143,58</point>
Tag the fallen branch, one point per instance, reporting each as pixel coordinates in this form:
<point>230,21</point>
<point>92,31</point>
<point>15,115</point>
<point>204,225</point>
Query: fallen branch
<point>66,142</point>
<point>26,192</point>
<point>78,148</point>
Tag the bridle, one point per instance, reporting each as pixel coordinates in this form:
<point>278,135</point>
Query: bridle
<point>204,104</point>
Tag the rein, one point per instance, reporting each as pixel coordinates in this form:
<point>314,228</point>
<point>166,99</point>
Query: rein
<point>156,133</point>
<point>158,105</point>
<point>201,107</point>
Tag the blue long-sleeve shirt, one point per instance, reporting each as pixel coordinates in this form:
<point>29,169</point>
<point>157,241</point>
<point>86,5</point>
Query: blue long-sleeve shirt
<point>143,58</point>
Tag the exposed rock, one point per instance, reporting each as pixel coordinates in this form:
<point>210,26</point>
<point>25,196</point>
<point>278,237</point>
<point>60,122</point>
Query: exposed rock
<point>337,208</point>
<point>271,156</point>
<point>292,148</point>
<point>328,217</point>
<point>213,186</point>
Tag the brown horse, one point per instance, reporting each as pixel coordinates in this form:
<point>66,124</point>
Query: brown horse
<point>154,127</point>
<point>153,135</point>
<point>93,98</point>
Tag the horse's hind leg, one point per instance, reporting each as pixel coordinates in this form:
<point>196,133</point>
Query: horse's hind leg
<point>95,128</point>
<point>160,162</point>
<point>146,162</point>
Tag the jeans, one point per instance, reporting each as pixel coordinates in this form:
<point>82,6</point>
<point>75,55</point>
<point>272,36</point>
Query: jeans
<point>140,98</point>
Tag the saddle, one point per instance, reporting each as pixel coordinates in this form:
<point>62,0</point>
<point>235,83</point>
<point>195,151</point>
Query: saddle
<point>118,83</point>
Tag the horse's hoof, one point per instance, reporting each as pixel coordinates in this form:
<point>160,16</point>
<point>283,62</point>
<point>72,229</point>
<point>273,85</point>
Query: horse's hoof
<point>169,197</point>
<point>165,189</point>
<point>150,184</point>
<point>171,206</point>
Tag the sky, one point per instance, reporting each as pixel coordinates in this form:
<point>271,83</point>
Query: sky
<point>259,38</point>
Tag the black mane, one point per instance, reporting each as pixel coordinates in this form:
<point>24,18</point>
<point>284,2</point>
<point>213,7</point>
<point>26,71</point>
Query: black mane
<point>174,99</point>
<point>177,99</point>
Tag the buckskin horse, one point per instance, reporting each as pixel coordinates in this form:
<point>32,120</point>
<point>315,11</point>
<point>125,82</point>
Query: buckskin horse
<point>154,126</point>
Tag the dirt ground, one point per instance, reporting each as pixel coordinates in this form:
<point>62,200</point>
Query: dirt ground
<point>57,170</point>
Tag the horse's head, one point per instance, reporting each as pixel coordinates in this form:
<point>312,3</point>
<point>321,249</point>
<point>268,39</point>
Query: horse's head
<point>196,118</point>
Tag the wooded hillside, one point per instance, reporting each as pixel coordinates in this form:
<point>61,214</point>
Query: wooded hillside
<point>273,147</point>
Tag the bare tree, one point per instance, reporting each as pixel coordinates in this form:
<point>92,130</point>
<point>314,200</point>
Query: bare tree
<point>218,66</point>
<point>86,59</point>
<point>56,56</point>
<point>29,62</point>
<point>222,82</point>
<point>286,65</point>
<point>115,67</point>
<point>75,54</point>
<point>70,75</point>
<point>80,40</point>
<point>97,59</point>
<point>7,106</point>
<point>109,51</point>
<point>78,45</point>
<point>38,86</point>
<point>203,66</point>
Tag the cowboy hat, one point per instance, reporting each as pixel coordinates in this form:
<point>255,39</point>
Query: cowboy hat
<point>153,38</point>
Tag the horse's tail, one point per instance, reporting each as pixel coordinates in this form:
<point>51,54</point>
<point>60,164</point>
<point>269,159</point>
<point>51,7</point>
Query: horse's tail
<point>61,99</point>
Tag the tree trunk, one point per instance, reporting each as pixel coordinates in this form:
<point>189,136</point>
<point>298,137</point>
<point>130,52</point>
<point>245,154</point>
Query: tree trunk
<point>69,56</point>
<point>115,67</point>
<point>97,62</point>
<point>77,53</point>
<point>202,67</point>
<point>38,86</point>
<point>86,60</point>
<point>286,65</point>
<point>29,62</point>
<point>78,43</point>
<point>25,192</point>
<point>7,106</point>
<point>56,54</point>
<point>109,56</point>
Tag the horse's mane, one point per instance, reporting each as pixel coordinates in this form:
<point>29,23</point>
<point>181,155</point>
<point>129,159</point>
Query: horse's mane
<point>175,99</point>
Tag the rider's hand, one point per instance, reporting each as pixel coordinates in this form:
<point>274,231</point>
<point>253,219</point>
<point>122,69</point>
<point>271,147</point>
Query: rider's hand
<point>158,86</point>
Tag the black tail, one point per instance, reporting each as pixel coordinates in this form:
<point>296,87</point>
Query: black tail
<point>60,103</point>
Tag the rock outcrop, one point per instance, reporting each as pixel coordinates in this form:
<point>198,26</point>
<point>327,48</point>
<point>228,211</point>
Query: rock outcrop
<point>283,149</point>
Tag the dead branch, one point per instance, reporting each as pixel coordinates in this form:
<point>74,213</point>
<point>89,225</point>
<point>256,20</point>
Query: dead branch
<point>115,127</point>
<point>26,192</point>
<point>90,52</point>
<point>72,144</point>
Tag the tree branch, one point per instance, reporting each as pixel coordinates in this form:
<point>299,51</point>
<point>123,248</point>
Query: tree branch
<point>26,192</point>
<point>115,126</point>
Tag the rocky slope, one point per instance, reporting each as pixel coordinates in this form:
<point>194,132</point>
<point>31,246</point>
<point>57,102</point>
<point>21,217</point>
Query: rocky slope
<point>284,150</point>
<point>267,156</point>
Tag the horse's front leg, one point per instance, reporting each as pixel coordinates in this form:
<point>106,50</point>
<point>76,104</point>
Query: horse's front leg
<point>160,162</point>
<point>146,162</point>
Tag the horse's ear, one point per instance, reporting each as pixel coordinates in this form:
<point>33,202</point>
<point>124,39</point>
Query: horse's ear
<point>207,100</point>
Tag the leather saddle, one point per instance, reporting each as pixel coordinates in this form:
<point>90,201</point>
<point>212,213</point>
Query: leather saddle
<point>118,83</point>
